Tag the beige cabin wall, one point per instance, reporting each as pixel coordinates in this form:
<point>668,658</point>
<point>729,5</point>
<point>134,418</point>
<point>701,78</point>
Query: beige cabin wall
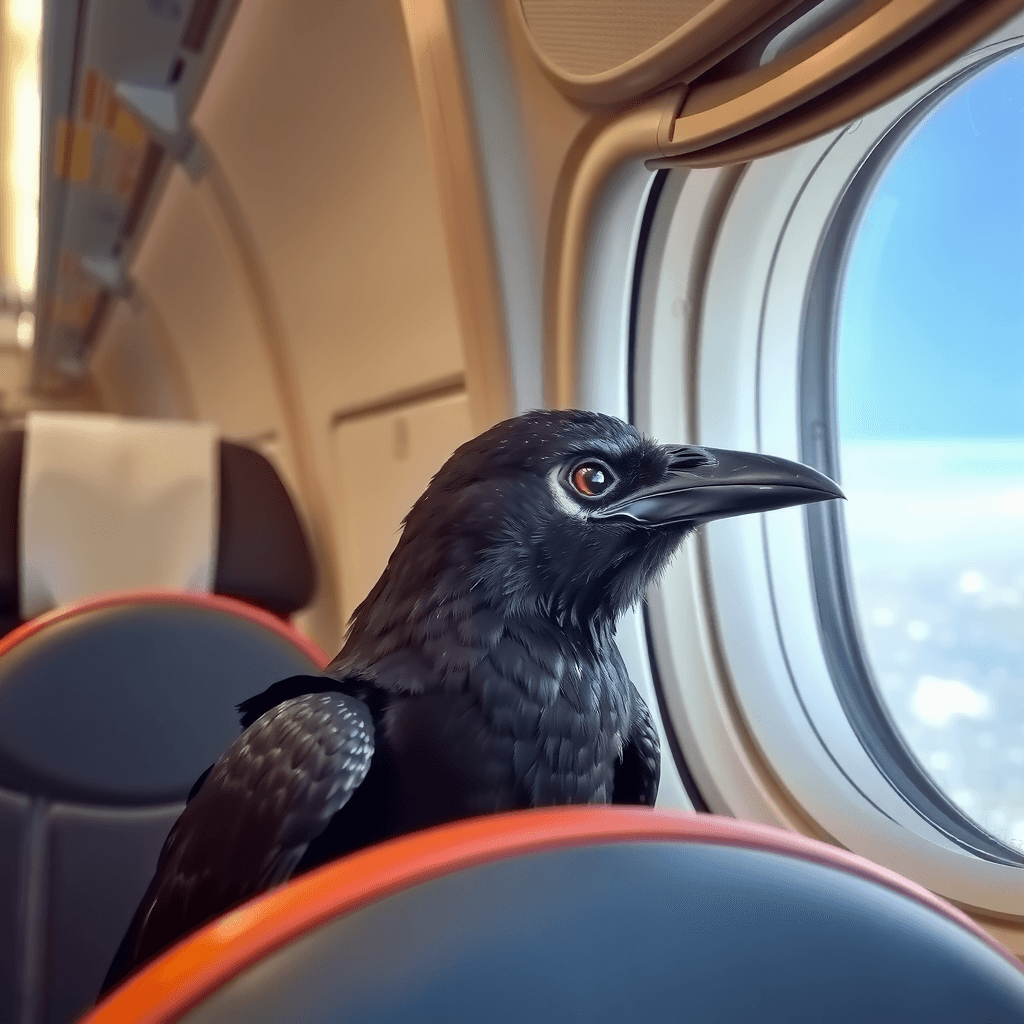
<point>328,170</point>
<point>305,283</point>
<point>553,126</point>
<point>196,292</point>
<point>135,367</point>
<point>323,178</point>
<point>384,461</point>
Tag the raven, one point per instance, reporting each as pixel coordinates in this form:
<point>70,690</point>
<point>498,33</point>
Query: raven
<point>479,675</point>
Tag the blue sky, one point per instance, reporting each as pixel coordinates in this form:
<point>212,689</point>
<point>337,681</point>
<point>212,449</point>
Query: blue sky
<point>932,320</point>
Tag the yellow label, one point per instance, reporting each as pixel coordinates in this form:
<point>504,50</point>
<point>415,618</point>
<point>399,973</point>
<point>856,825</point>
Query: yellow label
<point>74,312</point>
<point>81,153</point>
<point>103,148</point>
<point>128,130</point>
<point>61,147</point>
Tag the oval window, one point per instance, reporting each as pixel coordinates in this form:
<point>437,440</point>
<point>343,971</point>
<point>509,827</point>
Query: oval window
<point>930,405</point>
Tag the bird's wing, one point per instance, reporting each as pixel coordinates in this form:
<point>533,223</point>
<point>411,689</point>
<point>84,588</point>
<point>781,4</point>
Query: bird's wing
<point>639,770</point>
<point>271,793</point>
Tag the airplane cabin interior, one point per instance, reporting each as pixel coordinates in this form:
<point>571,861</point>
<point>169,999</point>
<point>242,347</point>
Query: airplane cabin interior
<point>266,265</point>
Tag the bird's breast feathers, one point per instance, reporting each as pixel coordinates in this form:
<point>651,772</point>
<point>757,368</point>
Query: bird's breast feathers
<point>526,723</point>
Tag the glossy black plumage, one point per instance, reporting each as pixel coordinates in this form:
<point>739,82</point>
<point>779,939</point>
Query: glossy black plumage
<point>479,675</point>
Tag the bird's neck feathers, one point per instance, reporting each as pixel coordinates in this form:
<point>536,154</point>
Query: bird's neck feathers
<point>497,572</point>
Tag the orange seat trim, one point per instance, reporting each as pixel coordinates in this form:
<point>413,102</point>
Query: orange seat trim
<point>215,602</point>
<point>182,977</point>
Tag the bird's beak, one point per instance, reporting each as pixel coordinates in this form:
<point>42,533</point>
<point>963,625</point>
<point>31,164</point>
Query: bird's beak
<point>711,483</point>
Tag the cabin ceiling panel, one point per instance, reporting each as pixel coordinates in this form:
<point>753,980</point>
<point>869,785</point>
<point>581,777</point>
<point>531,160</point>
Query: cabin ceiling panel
<point>608,51</point>
<point>741,79</point>
<point>586,37</point>
<point>313,122</point>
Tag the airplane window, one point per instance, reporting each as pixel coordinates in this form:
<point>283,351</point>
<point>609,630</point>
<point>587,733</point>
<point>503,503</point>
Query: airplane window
<point>930,408</point>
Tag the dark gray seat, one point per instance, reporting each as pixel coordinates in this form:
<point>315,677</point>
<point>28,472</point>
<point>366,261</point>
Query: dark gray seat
<point>109,711</point>
<point>587,914</point>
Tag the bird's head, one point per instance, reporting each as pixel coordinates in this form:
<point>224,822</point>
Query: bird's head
<point>570,515</point>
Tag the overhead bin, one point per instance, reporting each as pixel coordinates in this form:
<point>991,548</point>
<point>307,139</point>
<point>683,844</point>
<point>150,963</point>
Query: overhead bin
<point>119,80</point>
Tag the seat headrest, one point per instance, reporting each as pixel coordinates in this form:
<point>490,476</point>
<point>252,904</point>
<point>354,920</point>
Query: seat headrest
<point>263,556</point>
<point>175,507</point>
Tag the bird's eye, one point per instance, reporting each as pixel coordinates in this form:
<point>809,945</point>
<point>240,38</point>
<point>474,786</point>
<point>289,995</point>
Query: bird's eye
<point>591,479</point>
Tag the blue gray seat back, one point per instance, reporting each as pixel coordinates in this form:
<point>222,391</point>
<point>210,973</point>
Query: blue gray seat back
<point>650,932</point>
<point>107,718</point>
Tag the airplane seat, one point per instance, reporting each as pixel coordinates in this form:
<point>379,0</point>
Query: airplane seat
<point>93,504</point>
<point>109,712</point>
<point>114,699</point>
<point>585,913</point>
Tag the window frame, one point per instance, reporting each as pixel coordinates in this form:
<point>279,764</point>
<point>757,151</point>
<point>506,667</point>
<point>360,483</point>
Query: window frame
<point>725,304</point>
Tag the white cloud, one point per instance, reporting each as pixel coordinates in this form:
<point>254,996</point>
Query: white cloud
<point>918,630</point>
<point>971,582</point>
<point>883,617</point>
<point>936,700</point>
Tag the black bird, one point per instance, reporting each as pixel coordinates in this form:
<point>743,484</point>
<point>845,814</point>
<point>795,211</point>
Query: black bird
<point>479,675</point>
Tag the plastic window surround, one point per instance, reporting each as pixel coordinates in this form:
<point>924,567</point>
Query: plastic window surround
<point>734,621</point>
<point>604,343</point>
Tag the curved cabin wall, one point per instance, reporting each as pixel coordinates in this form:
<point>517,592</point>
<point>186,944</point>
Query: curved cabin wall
<point>299,290</point>
<point>299,293</point>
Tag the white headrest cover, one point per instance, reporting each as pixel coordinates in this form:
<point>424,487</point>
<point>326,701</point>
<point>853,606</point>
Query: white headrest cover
<point>112,504</point>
